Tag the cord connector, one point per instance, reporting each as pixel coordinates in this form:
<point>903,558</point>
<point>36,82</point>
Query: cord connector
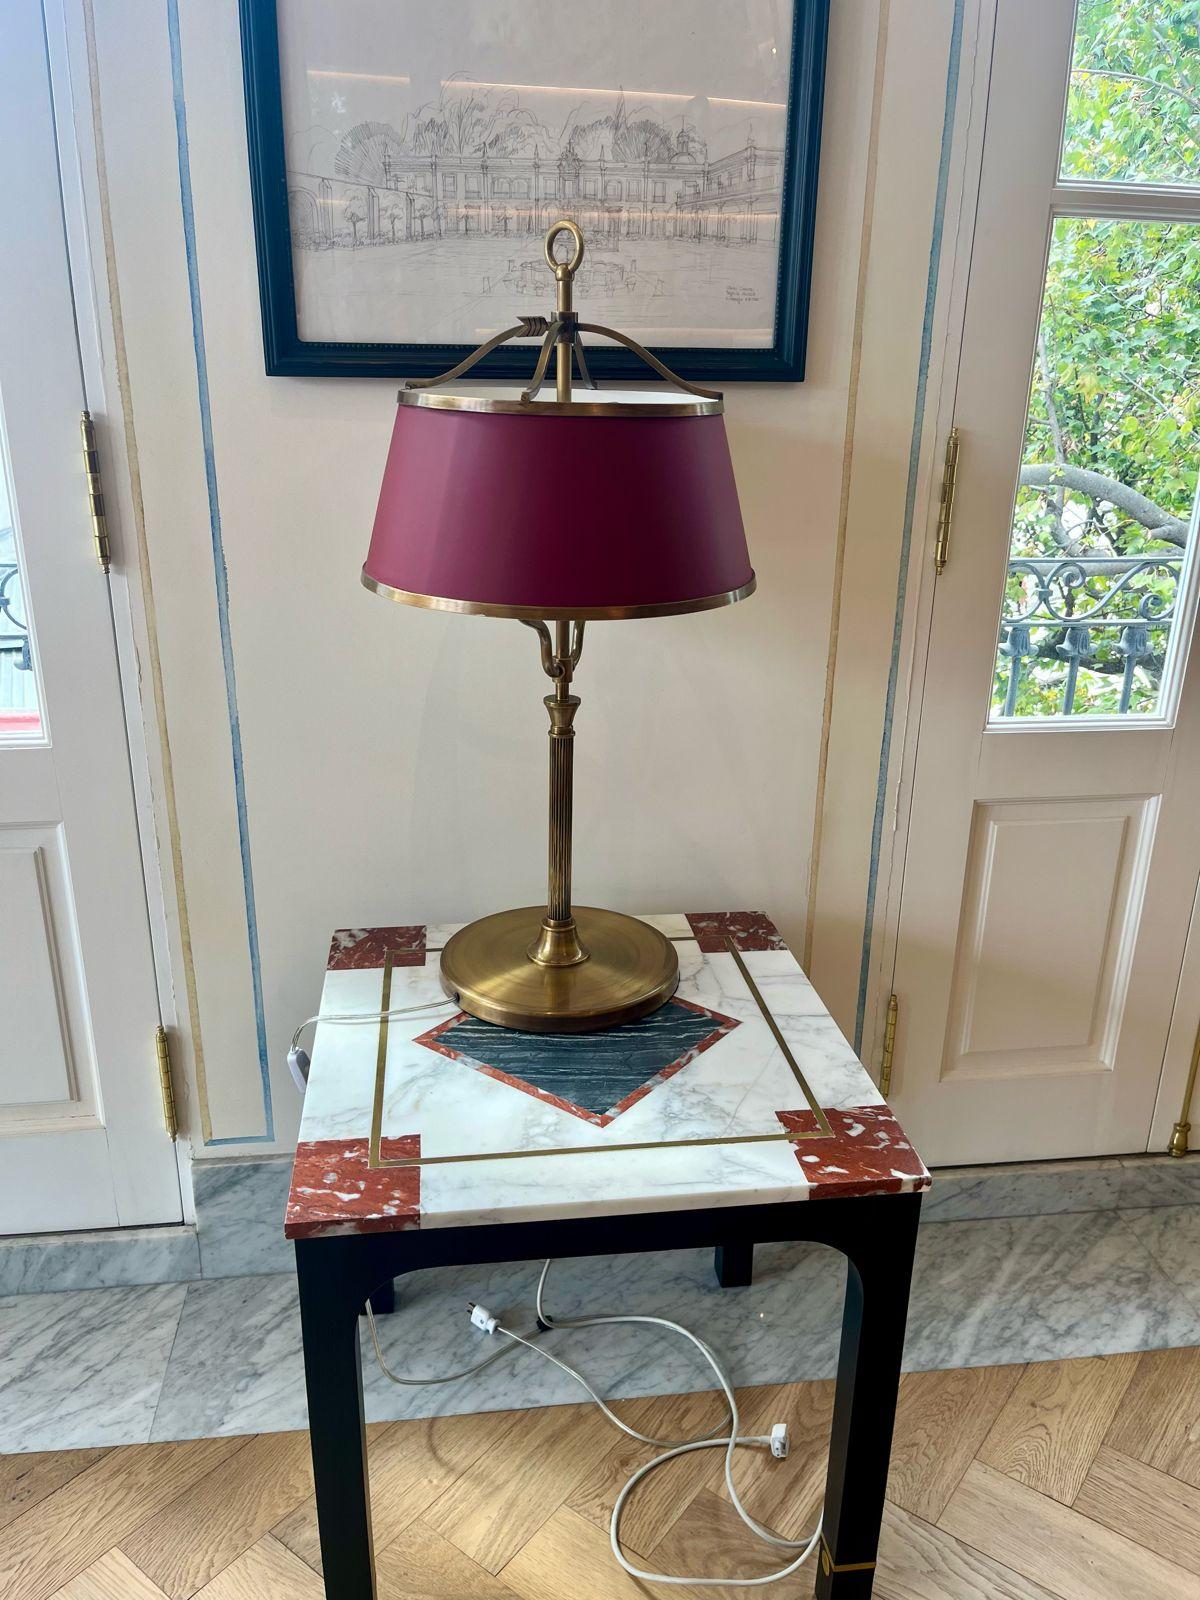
<point>779,1440</point>
<point>298,1065</point>
<point>482,1318</point>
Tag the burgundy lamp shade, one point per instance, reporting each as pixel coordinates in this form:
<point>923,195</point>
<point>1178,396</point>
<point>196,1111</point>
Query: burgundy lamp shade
<point>611,505</point>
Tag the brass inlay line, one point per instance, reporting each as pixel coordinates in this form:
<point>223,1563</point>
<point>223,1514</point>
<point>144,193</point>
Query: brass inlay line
<point>376,1160</point>
<point>592,1149</point>
<point>385,1005</point>
<point>831,1566</point>
<point>822,1119</point>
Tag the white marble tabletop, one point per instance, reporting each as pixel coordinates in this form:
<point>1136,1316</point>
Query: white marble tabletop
<point>740,1090</point>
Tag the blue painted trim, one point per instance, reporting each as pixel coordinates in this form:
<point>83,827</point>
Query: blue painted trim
<point>220,571</point>
<point>910,501</point>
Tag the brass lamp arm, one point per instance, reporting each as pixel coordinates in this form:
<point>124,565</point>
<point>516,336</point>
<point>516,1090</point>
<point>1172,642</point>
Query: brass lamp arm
<point>651,360</point>
<point>556,665</point>
<point>543,361</point>
<point>527,328</point>
<point>561,332</point>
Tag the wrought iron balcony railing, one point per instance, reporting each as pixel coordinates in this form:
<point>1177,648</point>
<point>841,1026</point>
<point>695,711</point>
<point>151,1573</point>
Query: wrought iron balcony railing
<point>1109,615</point>
<point>18,691</point>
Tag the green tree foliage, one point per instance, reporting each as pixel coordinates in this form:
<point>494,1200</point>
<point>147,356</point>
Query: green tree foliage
<point>1110,459</point>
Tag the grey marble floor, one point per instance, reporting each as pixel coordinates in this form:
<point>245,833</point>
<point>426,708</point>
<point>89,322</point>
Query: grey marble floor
<point>102,1366</point>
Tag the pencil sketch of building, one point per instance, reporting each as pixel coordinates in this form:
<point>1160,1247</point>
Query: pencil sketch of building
<point>469,184</point>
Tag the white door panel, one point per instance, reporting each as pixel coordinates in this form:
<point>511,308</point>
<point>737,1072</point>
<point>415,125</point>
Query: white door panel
<point>1053,852</point>
<point>37,1067</point>
<point>1012,1012</point>
<point>82,1142</point>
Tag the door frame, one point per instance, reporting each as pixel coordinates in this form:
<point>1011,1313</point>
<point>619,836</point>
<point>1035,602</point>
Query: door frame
<point>964,156</point>
<point>70,48</point>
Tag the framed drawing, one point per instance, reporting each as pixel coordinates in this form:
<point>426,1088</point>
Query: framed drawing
<point>407,157</point>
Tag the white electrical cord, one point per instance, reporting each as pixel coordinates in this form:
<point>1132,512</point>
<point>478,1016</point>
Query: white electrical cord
<point>727,1438</point>
<point>299,1061</point>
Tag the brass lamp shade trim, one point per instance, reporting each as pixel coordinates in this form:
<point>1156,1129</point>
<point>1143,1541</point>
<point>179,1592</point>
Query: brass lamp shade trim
<point>629,970</point>
<point>559,408</point>
<point>485,608</point>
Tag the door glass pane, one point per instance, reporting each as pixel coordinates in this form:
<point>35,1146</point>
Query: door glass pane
<point>1133,110</point>
<point>1104,506</point>
<point>20,718</point>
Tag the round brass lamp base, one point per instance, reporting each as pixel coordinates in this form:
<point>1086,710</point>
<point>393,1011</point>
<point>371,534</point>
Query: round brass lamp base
<point>630,969</point>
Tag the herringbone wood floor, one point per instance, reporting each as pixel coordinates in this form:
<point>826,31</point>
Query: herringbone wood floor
<point>1075,1480</point>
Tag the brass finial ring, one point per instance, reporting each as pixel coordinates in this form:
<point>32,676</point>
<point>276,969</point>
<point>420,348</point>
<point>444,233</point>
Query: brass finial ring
<point>564,269</point>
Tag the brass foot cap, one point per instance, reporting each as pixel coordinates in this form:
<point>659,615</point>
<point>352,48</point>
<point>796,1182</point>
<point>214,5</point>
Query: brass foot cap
<point>631,969</point>
<point>557,945</point>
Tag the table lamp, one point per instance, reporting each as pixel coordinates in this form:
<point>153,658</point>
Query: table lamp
<point>559,511</point>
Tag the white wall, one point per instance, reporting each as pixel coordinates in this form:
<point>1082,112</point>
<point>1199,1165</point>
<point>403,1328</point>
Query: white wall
<point>394,759</point>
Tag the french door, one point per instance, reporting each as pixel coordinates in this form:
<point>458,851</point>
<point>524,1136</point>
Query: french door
<point>1053,850</point>
<point>82,1139</point>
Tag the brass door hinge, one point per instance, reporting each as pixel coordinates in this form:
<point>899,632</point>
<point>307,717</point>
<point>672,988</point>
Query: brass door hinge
<point>95,489</point>
<point>889,1046</point>
<point>162,1052</point>
<point>941,550</point>
<point>1181,1134</point>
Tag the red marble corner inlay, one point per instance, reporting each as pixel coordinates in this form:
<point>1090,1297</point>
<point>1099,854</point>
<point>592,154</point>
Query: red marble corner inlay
<point>335,1191</point>
<point>868,1154</point>
<point>356,948</point>
<point>749,930</point>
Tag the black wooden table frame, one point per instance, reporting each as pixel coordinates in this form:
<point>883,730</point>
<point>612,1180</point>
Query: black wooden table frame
<point>877,1234</point>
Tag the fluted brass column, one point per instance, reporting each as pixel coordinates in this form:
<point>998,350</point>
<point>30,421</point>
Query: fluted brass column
<point>559,968</point>
<point>558,945</point>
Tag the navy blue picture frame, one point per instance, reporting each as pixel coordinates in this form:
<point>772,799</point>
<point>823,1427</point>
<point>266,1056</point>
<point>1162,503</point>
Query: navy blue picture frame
<point>287,355</point>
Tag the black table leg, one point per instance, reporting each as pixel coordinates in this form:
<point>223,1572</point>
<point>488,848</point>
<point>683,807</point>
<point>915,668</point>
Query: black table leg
<point>329,1308</point>
<point>734,1265</point>
<point>864,1411</point>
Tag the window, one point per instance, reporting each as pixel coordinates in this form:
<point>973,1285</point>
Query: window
<point>449,185</point>
<point>501,186</point>
<point>660,191</point>
<point>550,188</point>
<point>589,188</point>
<point>473,186</point>
<point>635,189</point>
<point>19,716</point>
<point>1133,111</point>
<point>1100,557</point>
<point>612,189</point>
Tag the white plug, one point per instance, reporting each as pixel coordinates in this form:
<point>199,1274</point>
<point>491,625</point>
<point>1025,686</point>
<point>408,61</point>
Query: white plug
<point>483,1319</point>
<point>779,1440</point>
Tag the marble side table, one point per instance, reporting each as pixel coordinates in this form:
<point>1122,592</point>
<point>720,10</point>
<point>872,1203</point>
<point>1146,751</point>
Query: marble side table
<point>734,1115</point>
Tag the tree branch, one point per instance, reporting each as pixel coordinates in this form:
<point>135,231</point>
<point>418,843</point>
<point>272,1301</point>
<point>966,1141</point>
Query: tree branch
<point>1059,503</point>
<point>1051,475</point>
<point>1138,77</point>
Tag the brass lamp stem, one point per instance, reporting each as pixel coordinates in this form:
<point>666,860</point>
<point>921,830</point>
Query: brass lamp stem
<point>558,944</point>
<point>562,355</point>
